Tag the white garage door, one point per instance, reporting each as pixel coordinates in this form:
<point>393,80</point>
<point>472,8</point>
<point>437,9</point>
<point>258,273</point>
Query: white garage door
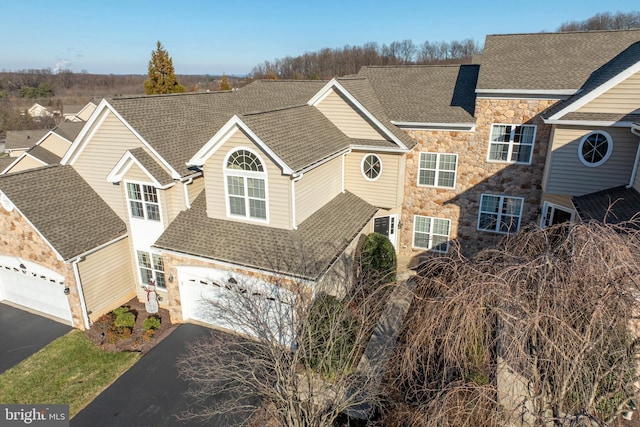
<point>34,287</point>
<point>238,303</point>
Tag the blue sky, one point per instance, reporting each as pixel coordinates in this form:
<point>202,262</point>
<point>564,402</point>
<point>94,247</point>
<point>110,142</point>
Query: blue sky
<point>211,37</point>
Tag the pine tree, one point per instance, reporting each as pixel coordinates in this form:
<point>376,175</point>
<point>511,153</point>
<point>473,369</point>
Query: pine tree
<point>224,83</point>
<point>162,78</point>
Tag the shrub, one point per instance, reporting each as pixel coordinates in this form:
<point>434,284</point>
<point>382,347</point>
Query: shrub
<point>120,310</point>
<point>378,261</point>
<point>125,320</point>
<point>151,323</point>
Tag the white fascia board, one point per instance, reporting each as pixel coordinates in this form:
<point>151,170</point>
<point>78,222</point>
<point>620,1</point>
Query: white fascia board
<point>549,92</point>
<point>457,127</point>
<point>104,105</point>
<point>229,129</point>
<point>323,161</point>
<point>574,106</point>
<point>55,251</point>
<point>380,149</point>
<point>125,163</point>
<point>333,83</point>
<point>71,152</point>
<point>635,126</point>
<point>598,123</point>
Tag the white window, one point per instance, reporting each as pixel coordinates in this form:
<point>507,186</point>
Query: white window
<point>438,170</point>
<point>595,148</point>
<point>371,167</point>
<point>143,201</point>
<point>554,214</point>
<point>151,269</point>
<point>246,185</point>
<point>431,233</point>
<point>511,143</point>
<point>500,214</point>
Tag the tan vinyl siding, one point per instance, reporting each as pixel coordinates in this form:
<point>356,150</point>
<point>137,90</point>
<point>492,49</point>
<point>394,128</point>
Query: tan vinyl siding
<point>278,186</point>
<point>317,187</point>
<point>56,144</point>
<point>624,98</point>
<point>172,200</point>
<point>107,278</point>
<point>557,199</point>
<point>382,192</point>
<point>346,118</point>
<point>27,162</point>
<point>195,188</point>
<point>100,155</point>
<point>567,175</point>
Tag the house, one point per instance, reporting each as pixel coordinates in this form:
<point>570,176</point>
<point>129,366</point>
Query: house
<point>19,141</point>
<point>78,113</point>
<point>204,193</point>
<point>48,150</point>
<point>38,111</point>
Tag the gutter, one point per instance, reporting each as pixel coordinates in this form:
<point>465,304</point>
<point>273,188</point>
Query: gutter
<point>634,172</point>
<point>296,177</point>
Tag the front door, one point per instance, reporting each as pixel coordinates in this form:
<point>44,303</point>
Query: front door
<point>387,226</point>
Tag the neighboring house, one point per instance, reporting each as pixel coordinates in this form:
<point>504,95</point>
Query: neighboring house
<point>38,111</point>
<point>19,141</point>
<point>49,150</point>
<point>78,113</point>
<point>276,182</point>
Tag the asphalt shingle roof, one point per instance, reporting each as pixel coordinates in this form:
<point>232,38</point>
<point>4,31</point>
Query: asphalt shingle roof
<point>425,93</point>
<point>613,206</point>
<point>22,139</point>
<point>44,155</point>
<point>306,252</point>
<point>548,61</point>
<point>69,130</point>
<point>152,166</point>
<point>64,208</point>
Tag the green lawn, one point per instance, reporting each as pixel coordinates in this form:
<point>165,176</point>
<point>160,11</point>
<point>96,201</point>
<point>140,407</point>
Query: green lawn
<point>70,370</point>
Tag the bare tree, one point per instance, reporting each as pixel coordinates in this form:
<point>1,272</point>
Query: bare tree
<point>298,364</point>
<point>542,330</point>
<point>604,21</point>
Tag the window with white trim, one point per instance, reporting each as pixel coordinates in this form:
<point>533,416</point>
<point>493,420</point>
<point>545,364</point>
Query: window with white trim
<point>246,185</point>
<point>371,167</point>
<point>595,148</point>
<point>143,201</point>
<point>500,214</point>
<point>511,143</point>
<point>431,233</point>
<point>151,269</point>
<point>437,170</point>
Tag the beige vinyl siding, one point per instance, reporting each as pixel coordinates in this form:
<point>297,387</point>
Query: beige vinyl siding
<point>567,175</point>
<point>557,199</point>
<point>382,192</point>
<point>56,144</point>
<point>278,186</point>
<point>346,118</point>
<point>101,153</point>
<point>195,188</point>
<point>86,112</point>
<point>107,278</point>
<point>624,98</point>
<point>27,162</point>
<point>317,187</point>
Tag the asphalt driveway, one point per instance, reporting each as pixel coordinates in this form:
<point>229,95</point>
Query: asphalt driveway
<point>150,393</point>
<point>23,333</point>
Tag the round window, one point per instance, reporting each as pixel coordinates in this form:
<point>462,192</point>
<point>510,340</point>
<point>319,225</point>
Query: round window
<point>595,148</point>
<point>371,167</point>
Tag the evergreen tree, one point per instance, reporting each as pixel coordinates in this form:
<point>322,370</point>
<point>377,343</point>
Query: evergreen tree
<point>224,83</point>
<point>162,78</point>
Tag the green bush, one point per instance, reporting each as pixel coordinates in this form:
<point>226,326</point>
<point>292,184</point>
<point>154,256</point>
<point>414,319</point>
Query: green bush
<point>125,320</point>
<point>151,323</point>
<point>120,310</point>
<point>378,261</point>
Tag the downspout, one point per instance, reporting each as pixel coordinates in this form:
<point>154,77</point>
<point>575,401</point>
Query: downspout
<point>296,177</point>
<point>83,305</point>
<point>186,192</point>
<point>634,172</point>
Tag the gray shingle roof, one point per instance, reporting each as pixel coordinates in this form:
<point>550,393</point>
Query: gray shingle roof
<point>306,252</point>
<point>44,155</point>
<point>152,166</point>
<point>548,61</point>
<point>23,139</point>
<point>425,93</point>
<point>621,62</point>
<point>64,208</point>
<point>613,206</point>
<point>69,130</point>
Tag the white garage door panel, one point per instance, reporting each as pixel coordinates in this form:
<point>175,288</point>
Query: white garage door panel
<point>34,291</point>
<point>208,296</point>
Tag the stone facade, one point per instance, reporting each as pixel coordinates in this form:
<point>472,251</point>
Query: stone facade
<point>20,239</point>
<point>475,175</point>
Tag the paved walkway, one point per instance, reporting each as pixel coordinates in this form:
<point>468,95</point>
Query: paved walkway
<point>376,355</point>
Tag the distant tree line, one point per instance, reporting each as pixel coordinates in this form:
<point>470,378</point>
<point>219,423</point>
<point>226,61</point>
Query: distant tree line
<point>604,21</point>
<point>327,63</point>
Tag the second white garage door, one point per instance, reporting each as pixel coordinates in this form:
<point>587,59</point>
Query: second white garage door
<point>242,304</point>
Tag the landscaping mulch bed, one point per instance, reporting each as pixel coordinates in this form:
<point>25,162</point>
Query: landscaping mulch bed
<point>139,340</point>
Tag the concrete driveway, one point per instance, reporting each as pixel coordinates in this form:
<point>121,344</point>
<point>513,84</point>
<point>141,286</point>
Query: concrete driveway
<point>23,333</point>
<point>150,393</point>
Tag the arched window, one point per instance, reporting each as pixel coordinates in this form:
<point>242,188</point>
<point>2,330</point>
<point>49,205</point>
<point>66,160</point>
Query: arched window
<point>246,185</point>
<point>595,148</point>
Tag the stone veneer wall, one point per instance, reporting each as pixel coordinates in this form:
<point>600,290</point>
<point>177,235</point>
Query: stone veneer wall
<point>19,239</point>
<point>475,175</point>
